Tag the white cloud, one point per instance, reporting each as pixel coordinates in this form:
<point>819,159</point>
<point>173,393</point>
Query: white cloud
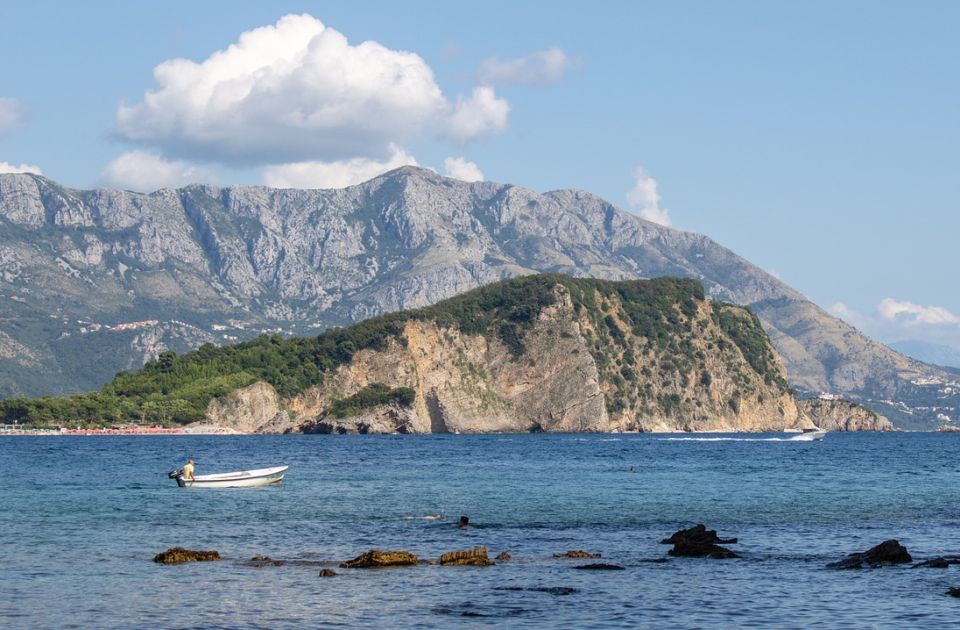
<point>290,92</point>
<point>540,68</point>
<point>483,113</point>
<point>462,169</point>
<point>337,174</point>
<point>7,167</point>
<point>849,315</point>
<point>146,172</point>
<point>912,314</point>
<point>13,113</point>
<point>645,199</point>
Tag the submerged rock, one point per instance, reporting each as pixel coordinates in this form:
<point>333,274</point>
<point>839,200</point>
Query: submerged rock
<point>328,573</point>
<point>599,566</point>
<point>701,550</point>
<point>887,552</point>
<point>503,555</point>
<point>698,534</point>
<point>476,557</point>
<point>379,558</point>
<point>177,555</point>
<point>577,554</point>
<point>264,561</point>
<point>552,590</point>
<point>940,562</point>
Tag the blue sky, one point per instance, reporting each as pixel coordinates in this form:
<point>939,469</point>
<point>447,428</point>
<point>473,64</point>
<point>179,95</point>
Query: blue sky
<point>816,139</point>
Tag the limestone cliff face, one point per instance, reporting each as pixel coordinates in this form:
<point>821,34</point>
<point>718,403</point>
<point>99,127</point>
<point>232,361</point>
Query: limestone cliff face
<point>576,373</point>
<point>843,415</point>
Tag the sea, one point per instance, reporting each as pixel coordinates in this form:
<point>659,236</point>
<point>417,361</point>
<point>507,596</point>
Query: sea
<point>81,519</point>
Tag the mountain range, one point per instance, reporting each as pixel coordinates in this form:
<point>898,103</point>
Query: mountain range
<point>928,352</point>
<point>95,282</point>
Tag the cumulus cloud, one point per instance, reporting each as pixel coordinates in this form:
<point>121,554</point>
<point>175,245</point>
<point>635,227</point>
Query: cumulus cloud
<point>7,167</point>
<point>336,174</point>
<point>146,172</point>
<point>849,315</point>
<point>13,113</point>
<point>645,199</point>
<point>913,314</point>
<point>540,68</point>
<point>462,169</point>
<point>291,92</point>
<point>480,114</point>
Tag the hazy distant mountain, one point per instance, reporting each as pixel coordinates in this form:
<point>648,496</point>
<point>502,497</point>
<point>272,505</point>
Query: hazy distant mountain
<point>935,353</point>
<point>92,282</point>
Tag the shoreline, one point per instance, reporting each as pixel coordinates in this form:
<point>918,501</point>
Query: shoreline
<point>204,430</point>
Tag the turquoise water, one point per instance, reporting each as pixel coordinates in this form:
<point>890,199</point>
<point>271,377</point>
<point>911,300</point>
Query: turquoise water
<point>83,517</point>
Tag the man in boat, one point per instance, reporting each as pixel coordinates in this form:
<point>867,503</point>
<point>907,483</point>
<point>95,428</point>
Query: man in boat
<point>187,471</point>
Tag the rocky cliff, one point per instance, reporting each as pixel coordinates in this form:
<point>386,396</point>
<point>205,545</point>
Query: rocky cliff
<point>601,357</point>
<point>122,276</point>
<point>842,415</point>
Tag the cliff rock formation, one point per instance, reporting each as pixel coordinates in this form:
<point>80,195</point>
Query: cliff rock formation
<point>599,357</point>
<point>842,415</point>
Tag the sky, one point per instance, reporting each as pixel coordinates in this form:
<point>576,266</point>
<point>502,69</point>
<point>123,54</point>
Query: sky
<point>819,140</point>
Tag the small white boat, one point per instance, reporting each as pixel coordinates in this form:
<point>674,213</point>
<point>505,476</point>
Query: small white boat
<point>809,436</point>
<point>240,479</point>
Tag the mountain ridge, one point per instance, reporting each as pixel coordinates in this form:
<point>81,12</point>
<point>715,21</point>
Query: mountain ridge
<point>299,260</point>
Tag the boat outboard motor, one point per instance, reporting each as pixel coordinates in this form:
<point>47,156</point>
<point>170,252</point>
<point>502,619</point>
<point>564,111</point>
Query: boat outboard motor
<point>173,474</point>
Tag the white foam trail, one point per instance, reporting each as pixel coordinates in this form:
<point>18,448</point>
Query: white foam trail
<point>796,438</point>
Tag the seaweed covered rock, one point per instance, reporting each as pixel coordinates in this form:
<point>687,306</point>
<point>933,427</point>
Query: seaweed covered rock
<point>886,553</point>
<point>379,558</point>
<point>476,557</point>
<point>577,554</point>
<point>178,555</point>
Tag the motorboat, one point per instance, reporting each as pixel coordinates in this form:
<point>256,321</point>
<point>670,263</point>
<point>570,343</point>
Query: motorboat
<point>239,479</point>
<point>814,435</point>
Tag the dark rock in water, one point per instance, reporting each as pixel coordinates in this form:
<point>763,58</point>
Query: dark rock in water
<point>476,557</point>
<point>698,534</point>
<point>577,554</point>
<point>699,542</point>
<point>552,590</point>
<point>264,561</point>
<point>953,591</point>
<point>887,552</point>
<point>503,555</point>
<point>701,550</point>
<point>940,562</point>
<point>378,558</point>
<point>328,573</point>
<point>599,566</point>
<point>176,555</point>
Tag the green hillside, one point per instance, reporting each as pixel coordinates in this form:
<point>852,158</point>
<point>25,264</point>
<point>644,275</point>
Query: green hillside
<point>177,388</point>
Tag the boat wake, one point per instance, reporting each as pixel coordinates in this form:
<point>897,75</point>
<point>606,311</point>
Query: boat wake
<point>801,437</point>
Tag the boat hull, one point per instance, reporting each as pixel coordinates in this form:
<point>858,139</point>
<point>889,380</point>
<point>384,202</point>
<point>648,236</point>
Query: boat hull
<point>240,479</point>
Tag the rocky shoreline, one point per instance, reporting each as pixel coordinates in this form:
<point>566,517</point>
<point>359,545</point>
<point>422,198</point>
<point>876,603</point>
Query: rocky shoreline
<point>693,542</point>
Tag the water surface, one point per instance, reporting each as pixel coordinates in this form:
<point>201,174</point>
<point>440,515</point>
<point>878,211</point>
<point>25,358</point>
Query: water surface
<point>83,516</point>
